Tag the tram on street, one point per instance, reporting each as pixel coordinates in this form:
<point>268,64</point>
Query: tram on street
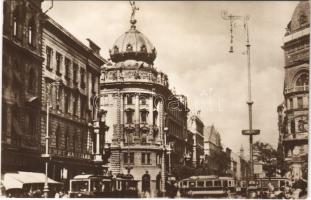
<point>206,186</point>
<point>89,185</point>
<point>103,186</point>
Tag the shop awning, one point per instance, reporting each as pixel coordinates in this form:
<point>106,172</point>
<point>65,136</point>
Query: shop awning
<point>19,179</point>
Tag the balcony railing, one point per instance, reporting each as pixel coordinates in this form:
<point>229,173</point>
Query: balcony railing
<point>297,89</point>
<point>297,136</point>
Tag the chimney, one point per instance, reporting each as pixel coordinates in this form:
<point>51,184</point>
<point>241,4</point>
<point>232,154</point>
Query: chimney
<point>95,48</point>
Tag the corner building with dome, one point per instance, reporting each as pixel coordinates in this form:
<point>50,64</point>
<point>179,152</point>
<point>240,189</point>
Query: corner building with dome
<point>294,111</point>
<point>147,121</point>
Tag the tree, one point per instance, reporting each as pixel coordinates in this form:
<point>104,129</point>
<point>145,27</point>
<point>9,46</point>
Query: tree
<point>268,156</point>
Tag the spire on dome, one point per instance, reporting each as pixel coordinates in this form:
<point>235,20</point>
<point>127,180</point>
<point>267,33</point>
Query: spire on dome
<point>134,9</point>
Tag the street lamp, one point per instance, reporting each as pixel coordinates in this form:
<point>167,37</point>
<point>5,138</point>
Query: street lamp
<point>46,156</point>
<point>169,151</point>
<point>250,132</point>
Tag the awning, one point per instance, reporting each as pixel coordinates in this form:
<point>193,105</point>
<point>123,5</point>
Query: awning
<point>19,179</point>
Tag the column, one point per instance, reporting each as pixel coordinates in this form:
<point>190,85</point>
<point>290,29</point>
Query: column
<point>122,118</point>
<point>151,115</point>
<point>137,113</point>
<point>194,154</point>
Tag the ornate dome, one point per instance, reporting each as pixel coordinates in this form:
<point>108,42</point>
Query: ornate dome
<point>300,18</point>
<point>133,45</point>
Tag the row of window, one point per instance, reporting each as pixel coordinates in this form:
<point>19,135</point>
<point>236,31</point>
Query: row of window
<point>298,126</point>
<point>143,116</point>
<point>68,102</point>
<point>128,158</point>
<point>69,141</point>
<point>68,64</point>
<point>18,25</point>
<point>300,103</point>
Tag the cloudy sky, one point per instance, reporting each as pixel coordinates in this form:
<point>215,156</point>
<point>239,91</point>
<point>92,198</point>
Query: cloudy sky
<point>192,42</point>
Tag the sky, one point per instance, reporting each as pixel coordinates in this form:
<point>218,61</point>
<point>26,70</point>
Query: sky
<point>192,42</point>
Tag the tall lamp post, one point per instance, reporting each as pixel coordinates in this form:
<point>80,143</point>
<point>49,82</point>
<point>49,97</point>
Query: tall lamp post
<point>46,156</point>
<point>165,130</point>
<point>250,132</point>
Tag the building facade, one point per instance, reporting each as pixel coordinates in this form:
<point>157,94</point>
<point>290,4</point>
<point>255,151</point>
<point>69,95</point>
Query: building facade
<point>294,112</point>
<point>212,148</point>
<point>196,127</point>
<point>76,70</point>
<point>143,114</point>
<point>21,92</point>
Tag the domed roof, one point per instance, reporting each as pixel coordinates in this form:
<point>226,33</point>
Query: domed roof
<point>133,45</point>
<point>301,17</point>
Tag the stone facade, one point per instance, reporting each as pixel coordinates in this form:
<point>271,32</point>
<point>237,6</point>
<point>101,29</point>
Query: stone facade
<point>294,112</point>
<point>22,63</point>
<point>139,106</point>
<point>196,127</point>
<point>77,68</point>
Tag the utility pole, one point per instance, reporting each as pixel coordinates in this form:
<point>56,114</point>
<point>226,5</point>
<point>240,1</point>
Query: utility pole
<point>250,131</point>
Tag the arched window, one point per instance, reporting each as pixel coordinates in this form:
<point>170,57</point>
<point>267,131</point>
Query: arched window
<point>115,49</point>
<point>143,100</point>
<point>31,31</point>
<point>15,22</point>
<point>129,116</point>
<point>303,80</point>
<point>143,48</point>
<point>129,47</point>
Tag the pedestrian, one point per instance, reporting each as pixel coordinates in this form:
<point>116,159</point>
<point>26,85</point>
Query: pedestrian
<point>57,196</point>
<point>65,195</point>
<point>147,194</point>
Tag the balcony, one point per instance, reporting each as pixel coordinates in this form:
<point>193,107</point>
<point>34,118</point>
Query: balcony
<point>304,88</point>
<point>295,137</point>
<point>134,76</point>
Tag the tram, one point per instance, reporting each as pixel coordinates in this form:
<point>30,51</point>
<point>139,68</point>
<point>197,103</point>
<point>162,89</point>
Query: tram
<point>125,186</point>
<point>103,186</point>
<point>89,185</point>
<point>206,186</point>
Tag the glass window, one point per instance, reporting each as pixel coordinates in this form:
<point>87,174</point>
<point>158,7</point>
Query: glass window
<point>31,29</point>
<point>303,80</point>
<point>67,68</point>
<point>217,183</point>
<point>82,78</point>
<point>75,71</point>
<point>125,157</point>
<point>300,102</point>
<point>291,103</point>
<point>67,99</point>
<point>143,158</point>
<point>209,183</point>
<point>200,183</point>
<point>49,53</point>
<point>292,126</point>
<point>129,116</point>
<point>59,59</point>
<point>143,116</point>
<point>129,99</point>
<point>132,158</point>
<point>148,159</point>
<point>143,101</point>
